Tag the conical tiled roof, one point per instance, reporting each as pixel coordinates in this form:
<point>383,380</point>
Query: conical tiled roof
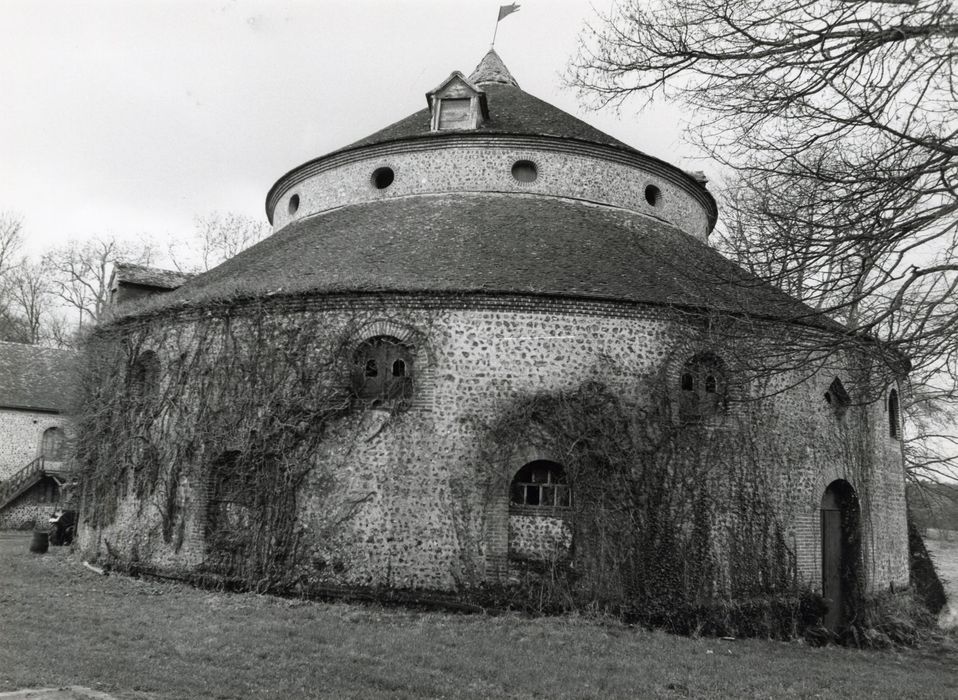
<point>491,69</point>
<point>512,111</point>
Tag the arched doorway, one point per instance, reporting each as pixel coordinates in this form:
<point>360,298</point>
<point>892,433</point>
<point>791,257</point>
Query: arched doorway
<point>841,551</point>
<point>53,445</point>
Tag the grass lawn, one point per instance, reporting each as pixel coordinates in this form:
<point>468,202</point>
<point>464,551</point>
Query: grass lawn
<point>61,624</point>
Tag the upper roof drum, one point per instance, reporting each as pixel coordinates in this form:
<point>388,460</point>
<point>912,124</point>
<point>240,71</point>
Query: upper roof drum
<point>485,134</point>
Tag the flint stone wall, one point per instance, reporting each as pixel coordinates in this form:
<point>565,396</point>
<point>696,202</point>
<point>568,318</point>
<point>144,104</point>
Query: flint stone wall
<point>576,174</point>
<point>21,436</point>
<point>412,504</point>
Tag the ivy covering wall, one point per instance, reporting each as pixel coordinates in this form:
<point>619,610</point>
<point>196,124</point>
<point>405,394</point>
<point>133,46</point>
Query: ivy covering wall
<point>237,435</point>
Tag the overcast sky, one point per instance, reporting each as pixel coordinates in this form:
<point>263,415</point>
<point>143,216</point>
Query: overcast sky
<point>130,118</point>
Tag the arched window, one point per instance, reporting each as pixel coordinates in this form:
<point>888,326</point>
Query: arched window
<point>894,417</point>
<point>837,397</point>
<point>53,445</point>
<point>382,369</point>
<point>145,374</point>
<point>541,484</point>
<point>703,386</point>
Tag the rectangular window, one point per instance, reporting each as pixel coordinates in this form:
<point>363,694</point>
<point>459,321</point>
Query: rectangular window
<point>455,114</point>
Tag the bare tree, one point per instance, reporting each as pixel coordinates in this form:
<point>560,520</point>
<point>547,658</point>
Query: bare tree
<point>11,239</point>
<point>80,273</point>
<point>29,293</point>
<point>839,122</point>
<point>59,333</point>
<point>12,326</point>
<point>216,237</point>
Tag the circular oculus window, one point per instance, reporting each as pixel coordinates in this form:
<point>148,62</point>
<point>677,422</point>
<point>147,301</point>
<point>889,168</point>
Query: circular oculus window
<point>383,178</point>
<point>653,195</point>
<point>524,171</point>
<point>293,205</point>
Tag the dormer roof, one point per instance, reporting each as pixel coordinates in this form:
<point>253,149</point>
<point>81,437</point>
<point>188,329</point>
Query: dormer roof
<point>457,88</point>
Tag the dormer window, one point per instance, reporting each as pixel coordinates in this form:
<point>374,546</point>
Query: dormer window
<point>457,104</point>
<point>455,113</point>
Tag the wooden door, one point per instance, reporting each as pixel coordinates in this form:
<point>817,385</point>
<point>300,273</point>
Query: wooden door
<point>832,541</point>
<point>841,553</point>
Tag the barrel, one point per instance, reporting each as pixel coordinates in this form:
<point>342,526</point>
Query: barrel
<point>40,542</point>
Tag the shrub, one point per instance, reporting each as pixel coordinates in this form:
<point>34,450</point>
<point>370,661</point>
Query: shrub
<point>899,617</point>
<point>924,578</point>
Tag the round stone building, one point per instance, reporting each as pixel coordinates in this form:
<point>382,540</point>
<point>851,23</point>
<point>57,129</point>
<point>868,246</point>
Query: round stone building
<point>485,344</point>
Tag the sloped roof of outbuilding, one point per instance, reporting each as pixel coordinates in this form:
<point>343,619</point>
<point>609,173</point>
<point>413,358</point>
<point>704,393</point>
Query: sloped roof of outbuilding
<point>36,378</point>
<point>490,243</point>
<point>143,275</point>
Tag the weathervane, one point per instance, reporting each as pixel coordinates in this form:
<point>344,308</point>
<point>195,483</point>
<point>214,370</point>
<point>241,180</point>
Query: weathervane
<point>504,11</point>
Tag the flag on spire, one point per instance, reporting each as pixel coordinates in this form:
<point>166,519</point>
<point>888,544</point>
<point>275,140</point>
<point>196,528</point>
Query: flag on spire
<point>506,10</point>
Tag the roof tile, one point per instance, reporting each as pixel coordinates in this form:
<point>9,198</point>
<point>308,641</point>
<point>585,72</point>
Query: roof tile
<point>158,277</point>
<point>511,111</point>
<point>492,243</point>
<point>34,377</point>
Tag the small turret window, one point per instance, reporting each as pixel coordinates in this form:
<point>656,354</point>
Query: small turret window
<point>653,195</point>
<point>525,171</point>
<point>383,178</point>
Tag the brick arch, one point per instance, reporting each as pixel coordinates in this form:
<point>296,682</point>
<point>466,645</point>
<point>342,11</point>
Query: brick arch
<point>520,457</point>
<point>525,454</point>
<point>421,353</point>
<point>406,334</point>
<point>402,332</point>
<point>674,366</point>
<point>825,476</point>
<point>496,508</point>
<point>681,352</point>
